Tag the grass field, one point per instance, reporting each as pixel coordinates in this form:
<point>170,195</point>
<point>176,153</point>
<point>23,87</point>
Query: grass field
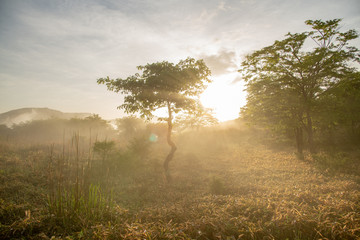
<point>225,185</point>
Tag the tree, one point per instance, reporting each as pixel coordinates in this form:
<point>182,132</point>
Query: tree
<point>162,84</point>
<point>103,148</point>
<point>348,94</point>
<point>130,127</point>
<point>286,80</point>
<point>196,118</point>
<point>338,111</point>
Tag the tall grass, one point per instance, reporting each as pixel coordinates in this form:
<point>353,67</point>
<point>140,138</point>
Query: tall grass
<point>75,202</point>
<point>72,210</point>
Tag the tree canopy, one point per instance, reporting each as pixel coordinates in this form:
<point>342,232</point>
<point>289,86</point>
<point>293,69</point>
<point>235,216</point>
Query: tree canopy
<point>286,80</point>
<point>161,84</point>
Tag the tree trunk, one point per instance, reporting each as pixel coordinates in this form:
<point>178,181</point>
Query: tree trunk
<point>299,142</point>
<point>309,130</point>
<point>170,156</point>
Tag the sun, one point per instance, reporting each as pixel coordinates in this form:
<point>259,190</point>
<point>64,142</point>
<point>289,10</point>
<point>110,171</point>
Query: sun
<point>225,97</point>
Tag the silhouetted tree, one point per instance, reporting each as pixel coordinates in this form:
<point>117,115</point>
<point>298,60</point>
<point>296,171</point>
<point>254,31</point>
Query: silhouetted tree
<point>162,84</point>
<point>286,80</point>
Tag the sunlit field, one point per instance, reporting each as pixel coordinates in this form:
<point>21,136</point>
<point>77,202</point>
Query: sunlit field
<point>221,144</point>
<point>227,183</point>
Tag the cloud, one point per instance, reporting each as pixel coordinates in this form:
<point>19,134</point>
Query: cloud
<point>66,45</point>
<point>220,63</point>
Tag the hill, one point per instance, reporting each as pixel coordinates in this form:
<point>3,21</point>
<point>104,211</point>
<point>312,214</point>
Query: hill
<point>23,115</point>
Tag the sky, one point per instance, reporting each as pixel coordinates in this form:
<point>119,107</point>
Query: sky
<point>52,52</point>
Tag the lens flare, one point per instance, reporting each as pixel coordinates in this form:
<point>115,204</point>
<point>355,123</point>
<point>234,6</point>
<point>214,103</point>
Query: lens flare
<point>153,138</point>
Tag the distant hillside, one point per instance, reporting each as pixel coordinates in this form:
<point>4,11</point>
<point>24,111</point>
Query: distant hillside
<point>30,114</point>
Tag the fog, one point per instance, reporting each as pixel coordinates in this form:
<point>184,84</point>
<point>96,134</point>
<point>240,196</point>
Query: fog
<point>56,172</point>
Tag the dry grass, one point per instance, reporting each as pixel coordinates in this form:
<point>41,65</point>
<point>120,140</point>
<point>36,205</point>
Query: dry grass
<point>221,190</point>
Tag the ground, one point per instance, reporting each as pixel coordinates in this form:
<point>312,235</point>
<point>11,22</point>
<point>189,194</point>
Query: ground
<point>221,189</point>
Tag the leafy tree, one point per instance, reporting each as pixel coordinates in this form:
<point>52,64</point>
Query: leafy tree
<point>338,110</point>
<point>197,118</point>
<point>130,127</point>
<point>348,95</point>
<point>286,80</point>
<point>162,84</point>
<point>103,148</point>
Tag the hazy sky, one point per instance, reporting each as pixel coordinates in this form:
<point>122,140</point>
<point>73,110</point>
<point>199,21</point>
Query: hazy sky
<point>52,52</point>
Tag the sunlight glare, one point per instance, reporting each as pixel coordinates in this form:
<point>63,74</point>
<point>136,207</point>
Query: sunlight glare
<point>222,95</point>
<point>225,97</point>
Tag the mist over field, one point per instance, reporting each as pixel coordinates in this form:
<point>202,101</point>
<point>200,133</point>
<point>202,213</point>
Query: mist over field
<point>83,179</point>
<point>182,120</point>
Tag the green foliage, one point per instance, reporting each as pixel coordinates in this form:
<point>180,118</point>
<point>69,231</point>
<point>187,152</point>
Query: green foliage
<point>337,112</point>
<point>130,127</point>
<point>103,148</point>
<point>286,82</point>
<point>159,85</point>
